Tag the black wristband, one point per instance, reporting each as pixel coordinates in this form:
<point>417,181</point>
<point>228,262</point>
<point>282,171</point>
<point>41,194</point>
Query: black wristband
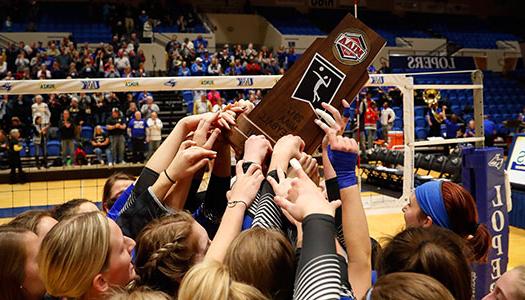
<point>169,178</point>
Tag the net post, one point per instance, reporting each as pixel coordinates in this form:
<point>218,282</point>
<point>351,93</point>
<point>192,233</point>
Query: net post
<point>477,78</point>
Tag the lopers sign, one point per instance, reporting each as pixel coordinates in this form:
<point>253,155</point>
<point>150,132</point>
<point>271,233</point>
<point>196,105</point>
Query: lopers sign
<point>432,62</point>
<point>483,177</point>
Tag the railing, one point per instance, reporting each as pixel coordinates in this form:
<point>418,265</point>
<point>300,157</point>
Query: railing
<point>5,41</point>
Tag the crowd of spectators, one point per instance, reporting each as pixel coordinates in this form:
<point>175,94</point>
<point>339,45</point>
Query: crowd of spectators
<point>193,58</point>
<point>41,118</point>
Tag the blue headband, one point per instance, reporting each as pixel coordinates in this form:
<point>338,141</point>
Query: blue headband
<point>430,199</point>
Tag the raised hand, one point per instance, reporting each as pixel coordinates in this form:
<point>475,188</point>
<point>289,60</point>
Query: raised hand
<point>343,154</point>
<point>310,167</point>
<point>282,187</point>
<point>189,159</point>
<point>247,184</point>
<point>305,198</point>
<point>337,123</point>
<point>256,148</point>
<point>286,148</point>
<point>200,136</point>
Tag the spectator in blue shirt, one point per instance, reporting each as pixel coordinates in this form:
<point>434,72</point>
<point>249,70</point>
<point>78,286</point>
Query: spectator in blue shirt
<point>470,131</point>
<point>291,57</point>
<point>184,70</point>
<point>200,41</point>
<point>490,131</point>
<point>452,127</point>
<point>198,68</point>
<point>141,97</point>
<point>137,131</point>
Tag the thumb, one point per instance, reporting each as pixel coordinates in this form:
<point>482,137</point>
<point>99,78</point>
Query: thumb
<point>273,183</point>
<point>301,174</point>
<point>187,144</point>
<point>335,204</point>
<point>284,204</point>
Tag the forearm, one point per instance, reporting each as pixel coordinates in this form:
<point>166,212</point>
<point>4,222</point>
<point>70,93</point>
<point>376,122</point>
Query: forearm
<point>177,194</point>
<point>328,170</point>
<point>357,238</point>
<point>168,149</point>
<point>228,230</point>
<point>161,187</point>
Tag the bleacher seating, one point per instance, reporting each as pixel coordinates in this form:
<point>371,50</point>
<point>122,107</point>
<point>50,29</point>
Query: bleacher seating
<point>290,21</point>
<point>385,167</point>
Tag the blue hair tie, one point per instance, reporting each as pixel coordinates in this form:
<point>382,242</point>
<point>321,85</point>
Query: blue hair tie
<point>430,198</point>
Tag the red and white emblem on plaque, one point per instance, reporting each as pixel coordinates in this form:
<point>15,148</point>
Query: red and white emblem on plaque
<point>350,47</point>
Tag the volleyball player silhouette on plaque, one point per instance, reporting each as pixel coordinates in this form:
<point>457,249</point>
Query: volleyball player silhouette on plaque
<point>320,82</point>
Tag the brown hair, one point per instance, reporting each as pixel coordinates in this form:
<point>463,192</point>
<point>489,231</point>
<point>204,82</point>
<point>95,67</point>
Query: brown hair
<point>13,256</point>
<point>107,202</point>
<point>210,280</point>
<point>164,252</point>
<point>433,251</point>
<point>30,219</point>
<point>406,285</point>
<point>463,215</point>
<point>264,259</point>
<point>68,208</point>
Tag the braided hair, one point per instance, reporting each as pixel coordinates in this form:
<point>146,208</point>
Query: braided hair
<point>165,252</point>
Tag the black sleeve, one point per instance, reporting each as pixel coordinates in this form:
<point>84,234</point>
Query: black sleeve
<point>215,200</point>
<point>139,211</point>
<point>267,213</point>
<point>318,260</point>
<point>332,190</point>
<point>194,199</point>
<point>146,179</point>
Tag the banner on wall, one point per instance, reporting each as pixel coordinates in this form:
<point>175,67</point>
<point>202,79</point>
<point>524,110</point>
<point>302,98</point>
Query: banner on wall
<point>445,63</point>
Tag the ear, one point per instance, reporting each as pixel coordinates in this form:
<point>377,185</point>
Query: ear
<point>427,222</point>
<point>99,284</point>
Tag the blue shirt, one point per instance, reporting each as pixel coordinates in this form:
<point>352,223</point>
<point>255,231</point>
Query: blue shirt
<point>452,129</point>
<point>138,128</point>
<point>197,70</point>
<point>490,127</point>
<point>114,211</point>
<point>184,71</point>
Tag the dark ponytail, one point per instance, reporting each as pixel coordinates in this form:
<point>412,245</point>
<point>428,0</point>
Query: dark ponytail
<point>480,243</point>
<point>463,214</point>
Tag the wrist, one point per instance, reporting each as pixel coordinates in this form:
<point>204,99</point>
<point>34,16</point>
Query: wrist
<point>256,159</point>
<point>237,204</point>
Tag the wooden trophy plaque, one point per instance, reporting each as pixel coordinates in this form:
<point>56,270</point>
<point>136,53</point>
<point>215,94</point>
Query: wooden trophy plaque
<point>331,69</point>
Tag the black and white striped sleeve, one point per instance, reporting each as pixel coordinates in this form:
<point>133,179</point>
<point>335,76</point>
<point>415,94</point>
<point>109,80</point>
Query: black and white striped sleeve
<point>318,274</point>
<point>267,213</point>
